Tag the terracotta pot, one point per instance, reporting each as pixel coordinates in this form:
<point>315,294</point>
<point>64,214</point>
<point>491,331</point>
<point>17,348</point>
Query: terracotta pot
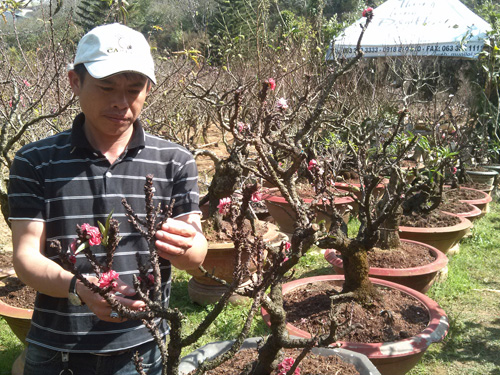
<point>443,239</point>
<point>390,358</point>
<point>192,360</point>
<point>473,214</point>
<point>284,216</point>
<point>418,278</point>
<point>481,203</point>
<point>220,261</point>
<point>19,320</point>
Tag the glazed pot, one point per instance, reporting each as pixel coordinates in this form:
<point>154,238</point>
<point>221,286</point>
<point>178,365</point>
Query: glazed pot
<point>418,278</point>
<point>284,216</point>
<point>192,360</point>
<point>442,238</point>
<point>220,261</point>
<point>390,358</point>
<point>483,177</point>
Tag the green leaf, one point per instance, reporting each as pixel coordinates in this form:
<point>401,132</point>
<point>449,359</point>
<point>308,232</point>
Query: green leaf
<point>104,237</point>
<point>82,246</point>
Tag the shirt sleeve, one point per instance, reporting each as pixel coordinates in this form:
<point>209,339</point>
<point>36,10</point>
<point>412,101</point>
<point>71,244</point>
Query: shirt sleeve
<point>185,189</point>
<point>26,190</point>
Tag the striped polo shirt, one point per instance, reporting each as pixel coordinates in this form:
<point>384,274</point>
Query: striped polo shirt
<point>62,181</point>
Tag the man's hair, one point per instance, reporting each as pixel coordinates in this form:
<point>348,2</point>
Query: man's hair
<point>81,72</point>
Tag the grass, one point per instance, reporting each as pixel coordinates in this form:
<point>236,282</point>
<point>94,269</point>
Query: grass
<point>470,296</point>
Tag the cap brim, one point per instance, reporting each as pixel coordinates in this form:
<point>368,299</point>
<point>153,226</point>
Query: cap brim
<point>106,68</point>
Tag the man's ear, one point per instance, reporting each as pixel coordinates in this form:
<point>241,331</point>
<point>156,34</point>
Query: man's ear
<point>74,82</point>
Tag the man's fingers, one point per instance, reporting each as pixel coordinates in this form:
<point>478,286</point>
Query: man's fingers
<point>124,288</point>
<point>178,227</point>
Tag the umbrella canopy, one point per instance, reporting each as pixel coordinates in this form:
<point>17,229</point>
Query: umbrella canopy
<point>411,27</point>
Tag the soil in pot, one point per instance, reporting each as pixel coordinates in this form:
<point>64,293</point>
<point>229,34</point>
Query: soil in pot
<point>15,293</point>
<point>434,219</point>
<point>463,194</point>
<point>407,256</point>
<point>394,317</point>
<point>311,365</point>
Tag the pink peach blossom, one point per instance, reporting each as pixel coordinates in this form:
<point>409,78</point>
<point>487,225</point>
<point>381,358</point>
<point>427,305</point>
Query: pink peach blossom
<point>367,11</point>
<point>286,365</point>
<point>272,83</point>
<point>92,234</point>
<point>257,196</point>
<point>312,164</point>
<point>224,205</point>
<point>109,278</point>
<point>282,104</point>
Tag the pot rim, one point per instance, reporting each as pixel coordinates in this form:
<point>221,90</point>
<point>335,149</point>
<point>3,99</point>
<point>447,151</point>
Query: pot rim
<point>439,263</point>
<point>482,173</point>
<point>436,329</point>
<point>14,312</point>
<point>279,199</point>
<point>190,361</point>
<point>472,214</point>
<point>485,199</point>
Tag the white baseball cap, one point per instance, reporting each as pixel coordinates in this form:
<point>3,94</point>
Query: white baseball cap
<point>115,48</point>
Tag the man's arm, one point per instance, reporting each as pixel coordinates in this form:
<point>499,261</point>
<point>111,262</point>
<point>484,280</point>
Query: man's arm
<point>182,242</point>
<point>48,277</point>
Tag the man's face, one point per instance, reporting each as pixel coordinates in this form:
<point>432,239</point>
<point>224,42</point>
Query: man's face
<point>112,104</point>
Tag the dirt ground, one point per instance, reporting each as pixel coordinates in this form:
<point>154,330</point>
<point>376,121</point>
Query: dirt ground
<point>5,237</point>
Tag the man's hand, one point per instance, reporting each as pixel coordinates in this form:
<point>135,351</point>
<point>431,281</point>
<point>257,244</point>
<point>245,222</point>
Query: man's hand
<point>182,242</point>
<point>100,307</point>
<point>175,238</point>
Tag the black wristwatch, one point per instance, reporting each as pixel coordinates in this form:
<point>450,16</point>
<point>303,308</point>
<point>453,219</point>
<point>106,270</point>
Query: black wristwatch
<point>73,297</point>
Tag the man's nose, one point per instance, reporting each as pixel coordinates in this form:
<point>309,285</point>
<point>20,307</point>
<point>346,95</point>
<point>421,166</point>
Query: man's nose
<point>119,99</point>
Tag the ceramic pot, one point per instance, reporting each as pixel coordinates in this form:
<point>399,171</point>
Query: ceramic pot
<point>284,216</point>
<point>418,278</point>
<point>443,238</point>
<point>483,177</point>
<point>390,358</point>
<point>191,361</point>
<point>220,261</point>
<point>481,203</point>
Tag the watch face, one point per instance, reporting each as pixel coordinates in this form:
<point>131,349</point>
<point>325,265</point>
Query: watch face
<point>74,299</point>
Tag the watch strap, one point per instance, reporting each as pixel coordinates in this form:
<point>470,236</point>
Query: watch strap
<point>72,285</point>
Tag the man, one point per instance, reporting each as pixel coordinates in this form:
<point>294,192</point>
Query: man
<point>80,176</point>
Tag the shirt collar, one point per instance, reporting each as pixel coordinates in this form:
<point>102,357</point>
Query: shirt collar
<point>78,138</point>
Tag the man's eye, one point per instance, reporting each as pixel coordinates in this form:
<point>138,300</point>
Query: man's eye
<point>104,88</point>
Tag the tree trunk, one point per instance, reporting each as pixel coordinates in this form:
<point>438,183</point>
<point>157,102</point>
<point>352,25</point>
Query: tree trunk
<point>356,273</point>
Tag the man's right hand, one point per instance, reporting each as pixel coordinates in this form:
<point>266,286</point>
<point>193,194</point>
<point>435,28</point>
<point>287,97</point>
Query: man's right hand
<point>100,307</point>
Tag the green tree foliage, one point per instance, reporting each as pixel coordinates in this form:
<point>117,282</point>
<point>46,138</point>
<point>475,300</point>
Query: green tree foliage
<point>91,13</point>
<point>237,22</point>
